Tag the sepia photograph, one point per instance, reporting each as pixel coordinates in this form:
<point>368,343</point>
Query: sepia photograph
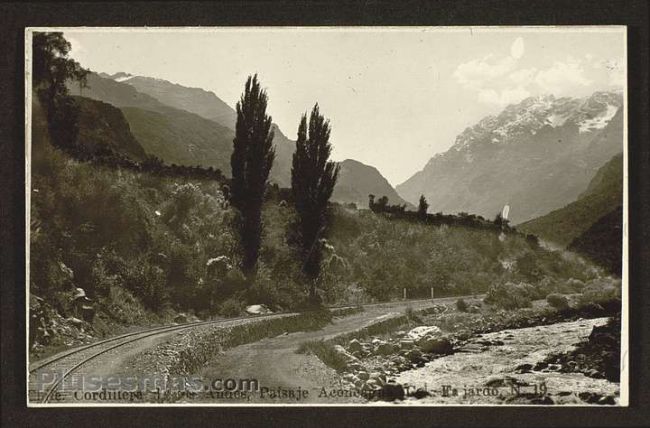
<point>326,216</point>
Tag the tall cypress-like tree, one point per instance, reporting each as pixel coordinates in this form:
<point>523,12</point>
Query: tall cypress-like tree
<point>313,177</point>
<point>423,206</point>
<point>251,161</point>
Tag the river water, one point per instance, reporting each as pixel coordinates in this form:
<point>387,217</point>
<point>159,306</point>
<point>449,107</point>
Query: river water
<point>484,374</point>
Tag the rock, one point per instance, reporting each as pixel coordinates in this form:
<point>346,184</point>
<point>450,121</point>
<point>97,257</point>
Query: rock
<point>554,367</point>
<point>435,345</point>
<point>391,392</point>
<point>355,346</point>
<point>414,355</point>
<point>524,368</point>
<point>180,318</point>
<point>379,377</point>
<point>345,357</point>
<point>350,377</point>
<point>607,400</point>
<point>501,381</point>
<point>363,375</point>
<point>540,366</point>
<point>406,344</point>
<point>75,321</point>
<point>258,310</point>
<point>384,349</point>
<point>421,393</point>
<point>422,331</point>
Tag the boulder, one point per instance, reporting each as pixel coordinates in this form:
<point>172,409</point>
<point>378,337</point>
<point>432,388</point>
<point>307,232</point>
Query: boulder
<point>406,344</point>
<point>435,345</point>
<point>384,349</point>
<point>414,356</point>
<point>355,346</point>
<point>391,392</point>
<point>180,318</point>
<point>419,332</point>
<point>345,357</point>
<point>258,310</point>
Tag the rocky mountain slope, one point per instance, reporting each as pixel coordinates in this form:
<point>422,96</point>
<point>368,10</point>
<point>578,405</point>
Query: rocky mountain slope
<point>536,156</point>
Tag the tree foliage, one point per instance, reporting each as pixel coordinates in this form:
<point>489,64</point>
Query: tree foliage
<point>313,177</point>
<point>251,161</point>
<point>423,206</point>
<point>51,70</point>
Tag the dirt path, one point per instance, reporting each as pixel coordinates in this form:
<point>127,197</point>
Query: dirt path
<point>274,363</point>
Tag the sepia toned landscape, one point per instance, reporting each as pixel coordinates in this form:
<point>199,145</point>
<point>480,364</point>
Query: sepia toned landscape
<point>292,216</point>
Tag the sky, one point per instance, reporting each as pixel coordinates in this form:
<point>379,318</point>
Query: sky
<point>394,96</point>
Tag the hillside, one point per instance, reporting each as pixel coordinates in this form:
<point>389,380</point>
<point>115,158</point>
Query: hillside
<point>602,242</point>
<point>103,127</point>
<point>536,156</point>
<point>204,142</point>
<point>195,100</point>
<point>357,181</point>
<point>604,194</point>
<point>209,106</point>
<point>191,126</point>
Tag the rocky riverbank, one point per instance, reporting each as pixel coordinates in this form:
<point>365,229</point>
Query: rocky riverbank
<point>510,348</point>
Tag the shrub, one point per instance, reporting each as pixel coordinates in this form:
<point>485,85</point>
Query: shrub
<point>461,305</point>
<point>509,295</point>
<point>558,301</point>
<point>232,307</point>
<point>605,292</point>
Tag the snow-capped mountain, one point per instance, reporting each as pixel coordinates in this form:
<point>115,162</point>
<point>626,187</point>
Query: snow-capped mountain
<point>537,156</point>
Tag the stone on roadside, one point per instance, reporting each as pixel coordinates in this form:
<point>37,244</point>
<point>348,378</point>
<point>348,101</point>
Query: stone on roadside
<point>355,346</point>
<point>422,331</point>
<point>345,357</point>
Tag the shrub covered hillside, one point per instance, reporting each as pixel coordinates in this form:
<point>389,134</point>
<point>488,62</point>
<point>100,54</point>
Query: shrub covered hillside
<point>143,245</point>
<point>377,256</point>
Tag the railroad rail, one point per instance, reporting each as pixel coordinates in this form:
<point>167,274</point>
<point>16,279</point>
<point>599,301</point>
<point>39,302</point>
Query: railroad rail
<point>64,364</point>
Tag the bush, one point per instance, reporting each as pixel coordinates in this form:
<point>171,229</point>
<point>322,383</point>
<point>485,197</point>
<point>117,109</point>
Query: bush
<point>509,295</point>
<point>558,301</point>
<point>461,305</point>
<point>605,292</point>
<point>231,308</point>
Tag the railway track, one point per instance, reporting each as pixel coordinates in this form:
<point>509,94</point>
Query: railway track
<point>47,377</point>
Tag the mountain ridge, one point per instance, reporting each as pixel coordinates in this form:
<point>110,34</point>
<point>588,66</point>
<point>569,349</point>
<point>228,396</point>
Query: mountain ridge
<point>537,156</point>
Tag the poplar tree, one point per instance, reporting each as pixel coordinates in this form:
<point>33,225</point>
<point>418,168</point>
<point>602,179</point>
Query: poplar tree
<point>313,177</point>
<point>423,206</point>
<point>251,161</point>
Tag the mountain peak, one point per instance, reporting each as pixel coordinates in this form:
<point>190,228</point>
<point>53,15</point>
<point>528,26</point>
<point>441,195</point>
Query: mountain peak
<point>538,154</point>
<point>518,121</point>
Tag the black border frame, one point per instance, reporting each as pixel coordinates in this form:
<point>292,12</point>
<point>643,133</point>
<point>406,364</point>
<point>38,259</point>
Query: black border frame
<point>17,16</point>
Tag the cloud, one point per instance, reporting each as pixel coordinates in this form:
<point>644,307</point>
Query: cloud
<point>523,76</point>
<point>501,80</point>
<point>517,49</point>
<point>562,77</point>
<point>477,73</point>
